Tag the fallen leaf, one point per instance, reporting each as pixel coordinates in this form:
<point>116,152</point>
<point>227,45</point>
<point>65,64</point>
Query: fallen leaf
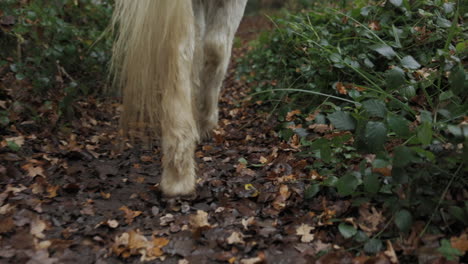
<point>199,220</point>
<point>129,214</point>
<point>235,238</point>
<point>41,256</point>
<point>146,158</point>
<point>259,259</point>
<point>166,219</point>
<point>19,141</point>
<point>387,171</point>
<point>133,243</point>
<point>321,128</point>
<point>370,219</point>
<point>33,171</point>
<point>247,222</point>
<point>390,252</point>
<point>105,195</point>
<point>290,115</point>
<point>112,223</point>
<point>6,224</point>
<point>52,191</point>
<point>375,25</point>
<point>37,227</point>
<point>460,243</point>
<point>280,201</point>
<point>340,88</point>
<point>304,231</point>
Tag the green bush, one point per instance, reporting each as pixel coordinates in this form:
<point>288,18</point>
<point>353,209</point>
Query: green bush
<point>52,45</point>
<point>392,74</point>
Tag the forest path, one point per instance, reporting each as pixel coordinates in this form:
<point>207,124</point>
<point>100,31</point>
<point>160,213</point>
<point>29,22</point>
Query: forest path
<point>72,195</point>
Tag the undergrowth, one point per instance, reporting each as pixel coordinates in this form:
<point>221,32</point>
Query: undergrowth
<point>53,52</point>
<point>377,94</point>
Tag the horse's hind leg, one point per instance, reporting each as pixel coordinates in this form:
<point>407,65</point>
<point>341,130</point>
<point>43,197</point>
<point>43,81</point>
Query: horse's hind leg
<point>222,20</point>
<point>178,127</point>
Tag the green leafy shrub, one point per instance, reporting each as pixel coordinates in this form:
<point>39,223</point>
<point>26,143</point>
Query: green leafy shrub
<point>395,76</point>
<point>52,45</point>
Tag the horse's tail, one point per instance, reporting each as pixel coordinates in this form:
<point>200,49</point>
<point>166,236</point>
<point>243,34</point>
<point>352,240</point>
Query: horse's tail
<point>146,49</point>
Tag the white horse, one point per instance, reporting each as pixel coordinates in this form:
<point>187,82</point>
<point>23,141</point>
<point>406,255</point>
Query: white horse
<point>170,58</point>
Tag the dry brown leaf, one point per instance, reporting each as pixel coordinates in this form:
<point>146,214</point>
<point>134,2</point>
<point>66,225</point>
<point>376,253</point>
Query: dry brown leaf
<point>199,220</point>
<point>146,158</point>
<point>19,140</point>
<point>235,238</point>
<point>247,222</point>
<point>33,171</point>
<point>375,25</point>
<point>295,141</point>
<point>129,214</point>
<point>320,246</point>
<point>370,220</point>
<point>340,88</point>
<point>280,201</point>
<point>166,219</point>
<point>387,171</point>
<point>359,88</point>
<point>37,227</point>
<point>314,175</point>
<point>320,128</point>
<point>7,224</point>
<point>261,258</point>
<point>460,243</point>
<point>105,195</point>
<point>112,223</point>
<point>52,191</point>
<point>6,209</point>
<point>133,243</point>
<point>290,115</point>
<point>41,256</point>
<point>304,231</point>
<point>390,253</point>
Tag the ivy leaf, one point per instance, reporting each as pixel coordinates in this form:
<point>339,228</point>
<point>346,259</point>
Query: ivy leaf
<point>347,231</point>
<point>373,246</point>
<point>384,50</point>
<point>376,135</point>
<point>402,156</point>
<point>342,120</point>
<point>457,80</point>
<point>20,76</point>
<point>396,3</point>
<point>444,23</point>
<point>372,183</point>
<point>410,63</point>
<point>347,184</point>
<point>425,133</point>
<point>395,78</point>
<point>326,152</point>
<point>459,214</point>
<point>448,7</point>
<point>399,125</point>
<point>404,220</point>
<point>311,191</point>
<point>375,107</point>
<point>408,91</point>
<point>331,181</point>
<point>445,95</point>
